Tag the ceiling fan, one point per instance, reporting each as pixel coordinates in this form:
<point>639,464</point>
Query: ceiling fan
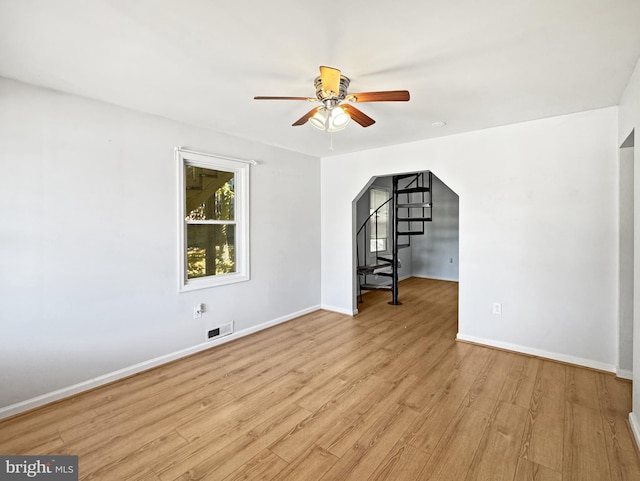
<point>331,91</point>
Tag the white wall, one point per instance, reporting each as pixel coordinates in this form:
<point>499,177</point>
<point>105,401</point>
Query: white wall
<point>538,223</point>
<point>435,254</point>
<point>629,120</point>
<point>88,235</point>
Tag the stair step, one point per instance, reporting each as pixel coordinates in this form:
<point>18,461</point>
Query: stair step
<point>415,219</point>
<point>411,190</point>
<point>371,268</point>
<point>418,205</point>
<point>384,274</point>
<point>374,287</point>
<point>411,232</point>
<point>403,246</point>
<point>390,262</point>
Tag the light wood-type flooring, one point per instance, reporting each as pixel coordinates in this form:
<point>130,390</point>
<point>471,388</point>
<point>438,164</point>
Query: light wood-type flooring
<point>386,395</point>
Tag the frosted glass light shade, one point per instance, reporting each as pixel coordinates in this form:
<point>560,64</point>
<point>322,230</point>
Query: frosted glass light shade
<point>319,119</point>
<point>338,119</point>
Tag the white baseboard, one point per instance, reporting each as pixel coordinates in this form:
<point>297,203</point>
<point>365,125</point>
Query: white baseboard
<point>47,398</point>
<point>624,374</point>
<point>339,310</point>
<point>439,278</point>
<point>635,427</point>
<point>578,361</point>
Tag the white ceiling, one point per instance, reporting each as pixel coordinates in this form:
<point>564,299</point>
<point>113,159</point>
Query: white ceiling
<point>474,64</point>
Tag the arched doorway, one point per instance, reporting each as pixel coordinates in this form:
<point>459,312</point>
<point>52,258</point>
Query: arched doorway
<point>429,251</point>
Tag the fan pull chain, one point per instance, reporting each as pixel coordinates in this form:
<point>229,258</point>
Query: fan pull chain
<point>330,140</point>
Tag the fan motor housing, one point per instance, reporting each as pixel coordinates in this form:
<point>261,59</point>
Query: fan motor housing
<point>322,95</point>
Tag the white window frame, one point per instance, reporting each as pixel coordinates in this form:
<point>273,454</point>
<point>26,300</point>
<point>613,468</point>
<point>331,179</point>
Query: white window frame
<point>371,209</point>
<point>240,169</point>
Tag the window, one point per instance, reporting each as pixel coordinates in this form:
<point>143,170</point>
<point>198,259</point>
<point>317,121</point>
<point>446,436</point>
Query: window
<point>214,220</point>
<point>379,209</point>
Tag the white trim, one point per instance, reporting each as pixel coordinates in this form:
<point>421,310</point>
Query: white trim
<point>578,361</point>
<point>439,278</point>
<point>212,222</point>
<point>47,398</point>
<point>250,161</point>
<point>635,428</point>
<point>339,310</point>
<point>624,374</point>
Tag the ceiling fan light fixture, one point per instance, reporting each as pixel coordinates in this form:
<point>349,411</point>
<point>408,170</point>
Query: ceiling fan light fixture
<point>338,119</point>
<point>331,89</point>
<point>330,118</point>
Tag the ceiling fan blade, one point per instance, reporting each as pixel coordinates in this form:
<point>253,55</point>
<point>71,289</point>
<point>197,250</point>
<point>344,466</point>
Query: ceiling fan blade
<point>263,97</point>
<point>330,80</point>
<point>358,116</point>
<point>303,120</point>
<point>387,96</point>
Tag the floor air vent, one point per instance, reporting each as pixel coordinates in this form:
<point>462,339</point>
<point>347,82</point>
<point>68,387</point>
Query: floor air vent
<point>220,331</point>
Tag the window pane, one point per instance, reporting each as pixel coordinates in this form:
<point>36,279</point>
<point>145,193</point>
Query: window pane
<point>378,245</point>
<point>379,220</point>
<point>211,250</point>
<point>378,197</point>
<point>210,194</point>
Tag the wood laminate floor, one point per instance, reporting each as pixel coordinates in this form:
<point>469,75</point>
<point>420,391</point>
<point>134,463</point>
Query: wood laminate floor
<point>388,395</point>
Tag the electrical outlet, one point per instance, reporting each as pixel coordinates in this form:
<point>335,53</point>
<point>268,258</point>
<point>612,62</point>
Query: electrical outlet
<point>497,308</point>
<point>198,309</point>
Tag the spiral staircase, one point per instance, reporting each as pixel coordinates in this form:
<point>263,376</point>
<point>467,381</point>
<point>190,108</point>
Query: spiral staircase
<point>410,206</point>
